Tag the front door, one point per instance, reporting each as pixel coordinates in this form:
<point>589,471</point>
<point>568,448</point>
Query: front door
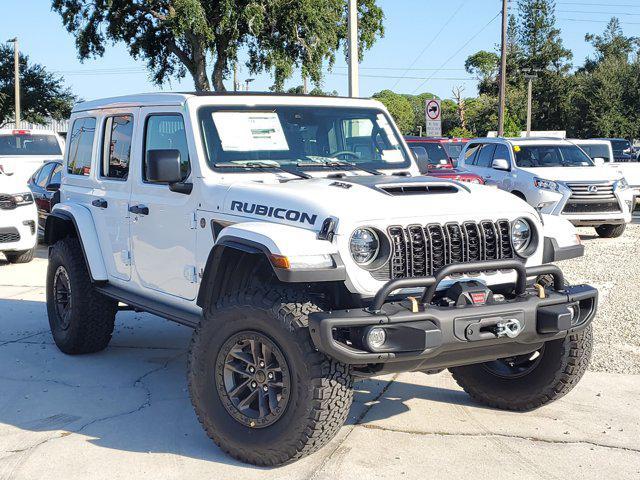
<point>163,233</point>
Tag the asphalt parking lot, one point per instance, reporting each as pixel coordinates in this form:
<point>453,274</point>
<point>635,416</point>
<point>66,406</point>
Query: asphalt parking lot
<point>125,412</point>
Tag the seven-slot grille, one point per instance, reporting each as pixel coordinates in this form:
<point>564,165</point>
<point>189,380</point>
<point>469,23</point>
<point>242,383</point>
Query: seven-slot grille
<point>419,251</point>
<point>7,202</point>
<point>591,198</point>
<point>8,235</point>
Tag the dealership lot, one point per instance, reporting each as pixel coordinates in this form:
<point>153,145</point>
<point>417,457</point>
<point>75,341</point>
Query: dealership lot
<point>125,412</point>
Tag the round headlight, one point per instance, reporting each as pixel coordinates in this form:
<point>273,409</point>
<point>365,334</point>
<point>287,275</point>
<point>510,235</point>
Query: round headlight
<point>364,245</point>
<point>521,235</point>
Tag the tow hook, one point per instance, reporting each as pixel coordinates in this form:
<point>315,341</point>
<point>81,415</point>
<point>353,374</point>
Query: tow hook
<point>511,328</point>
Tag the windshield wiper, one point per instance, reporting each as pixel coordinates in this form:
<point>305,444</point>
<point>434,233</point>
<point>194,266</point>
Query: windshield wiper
<point>263,165</point>
<point>338,164</point>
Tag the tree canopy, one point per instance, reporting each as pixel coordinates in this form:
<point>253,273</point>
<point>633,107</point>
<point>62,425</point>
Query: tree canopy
<point>205,37</point>
<point>43,94</point>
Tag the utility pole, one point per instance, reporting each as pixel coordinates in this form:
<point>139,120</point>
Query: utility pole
<point>354,87</point>
<point>247,82</point>
<point>503,71</point>
<point>530,74</point>
<point>304,85</point>
<point>16,74</point>
<point>236,85</point>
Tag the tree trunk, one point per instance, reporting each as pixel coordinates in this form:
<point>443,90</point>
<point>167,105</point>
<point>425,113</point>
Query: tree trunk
<point>218,73</point>
<point>200,78</point>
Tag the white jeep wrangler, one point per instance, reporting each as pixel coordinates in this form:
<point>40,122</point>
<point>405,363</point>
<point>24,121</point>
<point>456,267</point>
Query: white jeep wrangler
<point>294,235</point>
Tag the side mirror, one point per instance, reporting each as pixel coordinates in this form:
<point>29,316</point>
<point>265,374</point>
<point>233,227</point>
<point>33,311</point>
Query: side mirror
<point>599,161</point>
<point>500,164</point>
<point>163,166</point>
<point>52,187</point>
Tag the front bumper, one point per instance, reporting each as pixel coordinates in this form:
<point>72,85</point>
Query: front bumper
<point>435,337</point>
<point>18,228</point>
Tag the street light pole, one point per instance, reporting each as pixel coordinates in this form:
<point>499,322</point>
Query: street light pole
<point>530,79</point>
<point>354,87</point>
<point>16,74</point>
<point>503,71</point>
<point>247,82</point>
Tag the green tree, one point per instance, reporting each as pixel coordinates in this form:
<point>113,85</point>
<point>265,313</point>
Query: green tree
<point>484,66</point>
<point>611,44</point>
<point>400,109</point>
<point>42,94</point>
<point>176,37</point>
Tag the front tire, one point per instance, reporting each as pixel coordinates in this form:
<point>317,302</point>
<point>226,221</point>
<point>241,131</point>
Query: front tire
<point>24,256</point>
<point>81,319</point>
<point>610,231</point>
<point>243,343</point>
<point>529,381</point>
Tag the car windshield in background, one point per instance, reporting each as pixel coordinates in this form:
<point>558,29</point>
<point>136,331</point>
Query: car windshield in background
<point>433,154</point>
<point>597,151</point>
<point>533,156</point>
<point>21,144</point>
<point>619,146</point>
<point>305,137</point>
<point>454,149</point>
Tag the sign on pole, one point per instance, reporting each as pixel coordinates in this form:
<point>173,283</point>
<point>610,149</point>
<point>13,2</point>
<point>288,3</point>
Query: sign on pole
<point>433,118</point>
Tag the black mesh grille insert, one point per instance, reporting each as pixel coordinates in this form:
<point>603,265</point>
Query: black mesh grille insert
<point>421,251</point>
<point>8,235</point>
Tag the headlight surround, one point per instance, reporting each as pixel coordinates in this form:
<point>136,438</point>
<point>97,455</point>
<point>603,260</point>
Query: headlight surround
<point>364,246</point>
<point>23,199</point>
<point>523,237</point>
<point>545,184</point>
<point>621,184</point>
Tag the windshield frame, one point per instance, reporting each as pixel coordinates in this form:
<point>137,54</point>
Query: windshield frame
<point>551,145</point>
<point>31,154</point>
<point>208,109</point>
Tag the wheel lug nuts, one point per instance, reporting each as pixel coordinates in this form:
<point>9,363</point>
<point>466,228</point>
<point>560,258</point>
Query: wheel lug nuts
<point>251,369</point>
<point>261,364</point>
<point>254,384</point>
<point>270,375</point>
<point>265,388</point>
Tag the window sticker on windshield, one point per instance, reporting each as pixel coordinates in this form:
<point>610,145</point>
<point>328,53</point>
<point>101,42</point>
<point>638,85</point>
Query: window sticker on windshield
<point>392,156</point>
<point>250,131</point>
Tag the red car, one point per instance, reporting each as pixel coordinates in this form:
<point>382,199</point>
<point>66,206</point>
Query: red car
<point>434,160</point>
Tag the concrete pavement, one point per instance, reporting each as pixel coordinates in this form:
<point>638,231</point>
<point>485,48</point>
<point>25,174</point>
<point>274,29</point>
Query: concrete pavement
<point>125,413</point>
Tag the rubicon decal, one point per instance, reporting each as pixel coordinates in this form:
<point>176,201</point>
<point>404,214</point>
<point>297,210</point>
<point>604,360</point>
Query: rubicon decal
<point>274,212</point>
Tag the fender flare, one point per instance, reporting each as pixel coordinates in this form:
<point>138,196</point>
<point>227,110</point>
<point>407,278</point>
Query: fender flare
<point>70,219</point>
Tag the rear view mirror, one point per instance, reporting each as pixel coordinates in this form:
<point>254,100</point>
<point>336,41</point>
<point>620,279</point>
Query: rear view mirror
<point>599,161</point>
<point>500,164</point>
<point>163,166</point>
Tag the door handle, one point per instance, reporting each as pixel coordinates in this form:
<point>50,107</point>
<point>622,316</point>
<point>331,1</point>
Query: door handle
<point>487,176</point>
<point>139,210</point>
<point>100,203</point>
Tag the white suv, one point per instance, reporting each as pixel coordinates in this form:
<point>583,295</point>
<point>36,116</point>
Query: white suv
<point>556,177</point>
<point>295,235</point>
<point>22,152</point>
<point>18,221</point>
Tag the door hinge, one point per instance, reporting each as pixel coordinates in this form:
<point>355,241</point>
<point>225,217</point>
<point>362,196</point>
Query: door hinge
<point>191,273</point>
<point>125,255</point>
<point>193,221</point>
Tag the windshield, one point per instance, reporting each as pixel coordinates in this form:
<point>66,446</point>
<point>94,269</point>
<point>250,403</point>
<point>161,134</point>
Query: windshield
<point>28,144</point>
<point>596,151</point>
<point>454,149</point>
<point>432,154</point>
<point>534,156</point>
<point>620,146</point>
<point>300,136</point>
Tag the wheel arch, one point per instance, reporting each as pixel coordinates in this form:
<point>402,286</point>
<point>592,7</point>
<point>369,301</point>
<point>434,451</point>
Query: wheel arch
<point>69,221</point>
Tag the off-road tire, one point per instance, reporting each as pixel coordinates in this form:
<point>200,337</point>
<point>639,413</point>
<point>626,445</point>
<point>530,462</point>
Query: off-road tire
<point>321,389</point>
<point>92,315</point>
<point>610,231</point>
<point>562,365</point>
<point>24,256</point>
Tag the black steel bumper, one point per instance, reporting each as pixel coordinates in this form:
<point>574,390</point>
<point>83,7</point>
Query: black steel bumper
<point>425,336</point>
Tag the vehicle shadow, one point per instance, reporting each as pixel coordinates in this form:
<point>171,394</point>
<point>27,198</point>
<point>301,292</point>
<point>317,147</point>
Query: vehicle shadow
<point>133,396</point>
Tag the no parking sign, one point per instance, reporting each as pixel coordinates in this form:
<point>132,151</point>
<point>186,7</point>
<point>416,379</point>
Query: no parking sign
<point>433,118</point>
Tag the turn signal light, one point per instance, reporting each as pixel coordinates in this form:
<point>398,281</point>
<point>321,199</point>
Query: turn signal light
<point>280,261</point>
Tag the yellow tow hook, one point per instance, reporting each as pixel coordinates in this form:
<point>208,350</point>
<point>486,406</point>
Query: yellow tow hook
<point>540,289</point>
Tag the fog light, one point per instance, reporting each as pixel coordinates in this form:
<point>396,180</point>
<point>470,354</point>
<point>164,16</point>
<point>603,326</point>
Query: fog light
<point>376,338</point>
<point>575,314</point>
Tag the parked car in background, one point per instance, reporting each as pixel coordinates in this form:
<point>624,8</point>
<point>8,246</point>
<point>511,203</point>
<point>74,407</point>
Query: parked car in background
<point>18,219</point>
<point>454,147</point>
<point>24,151</point>
<point>556,177</point>
<point>602,151</point>
<point>45,186</point>
<point>623,151</point>
<point>432,160</point>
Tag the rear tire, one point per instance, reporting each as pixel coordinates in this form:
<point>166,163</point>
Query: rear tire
<point>312,395</point>
<point>81,319</point>
<point>552,375</point>
<point>610,231</point>
<point>24,256</point>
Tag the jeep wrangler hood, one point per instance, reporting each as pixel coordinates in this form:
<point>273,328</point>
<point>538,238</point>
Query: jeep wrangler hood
<point>355,199</point>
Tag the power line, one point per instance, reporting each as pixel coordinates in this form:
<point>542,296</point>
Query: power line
<point>598,13</point>
<point>408,78</point>
<point>459,50</point>
<point>582,4</point>
<point>595,21</point>
<point>430,43</point>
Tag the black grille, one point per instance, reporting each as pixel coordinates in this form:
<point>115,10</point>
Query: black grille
<point>8,235</point>
<point>421,251</point>
<point>592,198</point>
<point>7,202</point>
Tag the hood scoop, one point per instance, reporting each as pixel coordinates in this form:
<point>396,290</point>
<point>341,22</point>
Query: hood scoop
<point>397,189</point>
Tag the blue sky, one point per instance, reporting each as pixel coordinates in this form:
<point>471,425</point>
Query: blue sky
<point>417,37</point>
